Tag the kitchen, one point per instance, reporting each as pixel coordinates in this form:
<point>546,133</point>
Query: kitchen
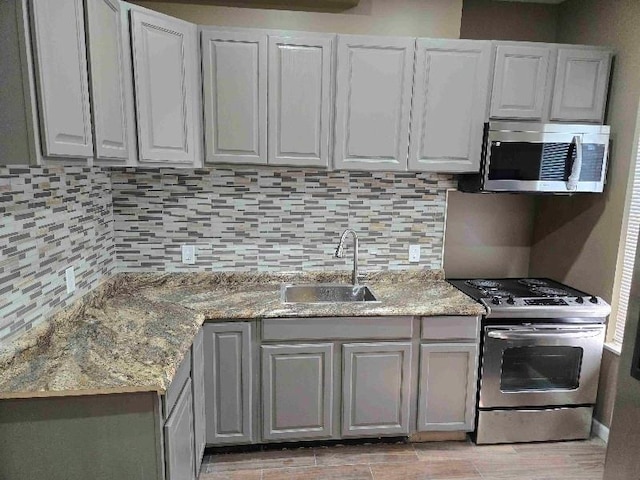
<point>278,218</point>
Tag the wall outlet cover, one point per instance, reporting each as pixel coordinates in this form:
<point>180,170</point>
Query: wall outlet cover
<point>414,253</point>
<point>189,254</point>
<point>70,277</point>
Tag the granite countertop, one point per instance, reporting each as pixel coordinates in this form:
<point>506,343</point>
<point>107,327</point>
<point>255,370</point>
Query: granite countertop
<point>131,333</point>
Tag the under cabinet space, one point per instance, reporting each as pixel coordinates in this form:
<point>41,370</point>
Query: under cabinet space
<point>297,391</point>
<point>228,371</point>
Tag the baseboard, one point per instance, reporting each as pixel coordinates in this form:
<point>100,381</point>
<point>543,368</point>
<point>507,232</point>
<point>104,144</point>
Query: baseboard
<point>600,430</point>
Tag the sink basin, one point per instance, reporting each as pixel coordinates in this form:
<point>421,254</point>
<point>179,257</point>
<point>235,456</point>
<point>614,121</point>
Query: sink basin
<point>327,293</point>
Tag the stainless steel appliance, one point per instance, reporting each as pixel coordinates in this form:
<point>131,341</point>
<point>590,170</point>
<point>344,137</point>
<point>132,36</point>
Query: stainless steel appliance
<point>540,359</point>
<point>541,158</point>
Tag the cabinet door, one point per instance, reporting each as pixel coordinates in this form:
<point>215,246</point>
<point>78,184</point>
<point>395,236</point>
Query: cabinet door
<point>178,438</point>
<point>447,397</point>
<point>449,108</point>
<point>228,391</point>
<point>297,393</point>
<point>235,96</point>
<point>197,377</point>
<point>165,79</point>
<point>521,82</point>
<point>373,102</point>
<point>62,80</point>
<point>300,100</point>
<point>580,90</point>
<point>375,389</point>
<point>108,100</point>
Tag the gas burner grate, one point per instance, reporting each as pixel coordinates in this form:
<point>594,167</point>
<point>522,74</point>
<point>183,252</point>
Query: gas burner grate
<point>482,284</point>
<point>533,282</point>
<point>550,291</point>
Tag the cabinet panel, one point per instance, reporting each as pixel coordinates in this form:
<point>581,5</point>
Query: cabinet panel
<point>447,396</point>
<point>373,101</point>
<point>297,391</point>
<point>199,419</point>
<point>107,80</point>
<point>228,372</point>
<point>62,79</point>
<point>178,438</point>
<point>299,100</point>
<point>235,96</point>
<point>580,90</point>
<point>450,96</point>
<point>165,78</point>
<point>375,389</point>
<point>521,82</point>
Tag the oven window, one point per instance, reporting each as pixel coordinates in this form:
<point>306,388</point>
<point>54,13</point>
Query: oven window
<point>530,161</point>
<point>540,368</point>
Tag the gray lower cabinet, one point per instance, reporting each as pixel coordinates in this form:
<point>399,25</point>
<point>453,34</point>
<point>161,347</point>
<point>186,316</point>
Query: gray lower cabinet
<point>376,389</point>
<point>447,386</point>
<point>297,392</point>
<point>179,438</point>
<point>197,376</point>
<point>228,382</point>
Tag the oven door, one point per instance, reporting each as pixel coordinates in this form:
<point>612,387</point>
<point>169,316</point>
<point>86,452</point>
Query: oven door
<point>542,365</point>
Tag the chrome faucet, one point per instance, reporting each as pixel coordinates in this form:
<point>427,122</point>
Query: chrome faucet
<point>340,252</point>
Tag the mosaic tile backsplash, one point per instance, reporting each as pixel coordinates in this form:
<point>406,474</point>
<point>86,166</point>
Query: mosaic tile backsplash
<point>270,219</point>
<point>51,218</point>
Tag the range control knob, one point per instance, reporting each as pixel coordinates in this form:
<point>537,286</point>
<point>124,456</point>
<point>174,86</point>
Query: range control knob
<point>510,300</point>
<point>593,299</point>
<point>496,300</point>
<point>579,300</point>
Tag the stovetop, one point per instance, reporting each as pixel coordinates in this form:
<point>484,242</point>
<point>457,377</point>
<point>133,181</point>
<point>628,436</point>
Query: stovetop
<point>531,297</point>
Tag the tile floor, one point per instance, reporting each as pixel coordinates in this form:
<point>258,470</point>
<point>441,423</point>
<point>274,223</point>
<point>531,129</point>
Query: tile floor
<point>582,460</point>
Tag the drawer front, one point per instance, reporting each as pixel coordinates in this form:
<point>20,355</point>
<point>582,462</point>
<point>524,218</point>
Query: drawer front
<point>451,328</point>
<point>173,392</point>
<point>337,328</point>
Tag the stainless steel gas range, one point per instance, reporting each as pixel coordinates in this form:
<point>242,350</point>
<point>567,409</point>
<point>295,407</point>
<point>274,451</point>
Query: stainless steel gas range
<point>540,359</point>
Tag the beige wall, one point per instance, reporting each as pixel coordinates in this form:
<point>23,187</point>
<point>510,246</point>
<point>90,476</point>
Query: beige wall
<point>492,20</point>
<point>576,240</point>
<point>488,235</point>
<point>427,18</point>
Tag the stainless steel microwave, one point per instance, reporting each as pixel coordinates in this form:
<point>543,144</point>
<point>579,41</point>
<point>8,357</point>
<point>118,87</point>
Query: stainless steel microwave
<point>541,158</point>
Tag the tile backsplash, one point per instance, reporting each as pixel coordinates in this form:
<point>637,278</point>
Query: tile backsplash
<point>269,219</point>
<point>51,218</point>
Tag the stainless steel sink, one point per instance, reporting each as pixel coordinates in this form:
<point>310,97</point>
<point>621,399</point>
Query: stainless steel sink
<point>327,293</point>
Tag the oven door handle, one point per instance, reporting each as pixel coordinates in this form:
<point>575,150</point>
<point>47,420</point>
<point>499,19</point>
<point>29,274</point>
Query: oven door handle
<point>528,334</point>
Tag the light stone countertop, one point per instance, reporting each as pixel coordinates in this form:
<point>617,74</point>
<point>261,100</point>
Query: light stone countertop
<point>131,333</point>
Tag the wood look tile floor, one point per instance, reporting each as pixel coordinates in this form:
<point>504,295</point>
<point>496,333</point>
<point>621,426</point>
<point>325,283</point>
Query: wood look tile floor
<point>582,460</point>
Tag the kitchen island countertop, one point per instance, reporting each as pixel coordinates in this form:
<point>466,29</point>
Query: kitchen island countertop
<point>131,333</point>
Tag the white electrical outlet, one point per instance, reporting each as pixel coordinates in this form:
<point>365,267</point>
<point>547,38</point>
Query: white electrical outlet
<point>70,277</point>
<point>414,253</point>
<point>188,254</point>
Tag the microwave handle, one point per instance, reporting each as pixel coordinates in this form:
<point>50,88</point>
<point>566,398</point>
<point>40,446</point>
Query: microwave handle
<point>572,181</point>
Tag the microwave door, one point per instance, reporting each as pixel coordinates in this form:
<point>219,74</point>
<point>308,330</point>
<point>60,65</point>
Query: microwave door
<point>527,161</point>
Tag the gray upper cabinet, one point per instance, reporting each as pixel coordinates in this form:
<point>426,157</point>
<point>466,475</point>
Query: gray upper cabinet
<point>197,379</point>
<point>300,79</point>
<point>297,393</point>
<point>447,395</point>
<point>179,438</point>
<point>108,97</point>
<point>61,77</point>
<point>167,88</point>
<point>449,105</point>
<point>373,101</point>
<point>580,90</point>
<point>376,389</point>
<point>521,81</point>
<point>234,65</point>
<point>228,374</point>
